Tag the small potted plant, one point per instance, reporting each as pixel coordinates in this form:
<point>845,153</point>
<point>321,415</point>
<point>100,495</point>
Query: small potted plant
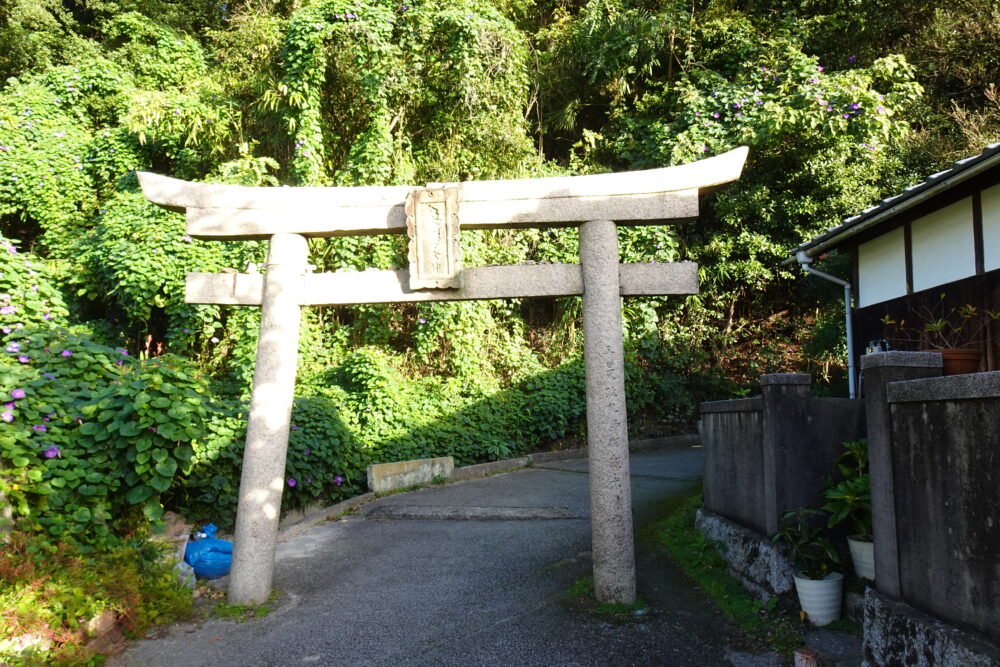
<point>955,333</point>
<point>819,587</point>
<point>849,502</point>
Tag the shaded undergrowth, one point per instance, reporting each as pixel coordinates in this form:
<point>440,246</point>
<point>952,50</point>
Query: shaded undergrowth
<point>776,625</point>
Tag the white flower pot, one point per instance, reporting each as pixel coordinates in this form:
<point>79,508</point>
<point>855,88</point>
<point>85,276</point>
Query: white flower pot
<point>863,555</point>
<point>821,598</point>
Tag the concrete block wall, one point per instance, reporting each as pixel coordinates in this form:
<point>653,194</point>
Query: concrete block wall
<point>733,439</point>
<point>767,455</point>
<point>945,452</point>
<point>934,449</point>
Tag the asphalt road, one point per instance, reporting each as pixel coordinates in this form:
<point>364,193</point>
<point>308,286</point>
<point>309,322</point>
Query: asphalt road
<point>466,573</point>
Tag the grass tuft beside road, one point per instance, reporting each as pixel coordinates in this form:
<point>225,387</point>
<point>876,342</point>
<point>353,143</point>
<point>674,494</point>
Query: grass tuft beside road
<point>775,625</point>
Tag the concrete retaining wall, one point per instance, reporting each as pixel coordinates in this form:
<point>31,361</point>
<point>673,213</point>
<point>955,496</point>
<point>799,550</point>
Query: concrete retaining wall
<point>934,450</point>
<point>733,439</point>
<point>898,634</point>
<point>767,455</point>
<point>751,558</point>
<point>946,461</point>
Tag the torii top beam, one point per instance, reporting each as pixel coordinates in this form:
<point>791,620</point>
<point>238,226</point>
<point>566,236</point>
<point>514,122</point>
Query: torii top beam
<point>233,212</point>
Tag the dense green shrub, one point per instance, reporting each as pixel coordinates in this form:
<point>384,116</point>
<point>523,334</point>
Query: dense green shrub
<point>92,438</point>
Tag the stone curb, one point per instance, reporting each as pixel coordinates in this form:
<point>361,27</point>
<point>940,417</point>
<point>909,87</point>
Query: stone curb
<point>297,522</point>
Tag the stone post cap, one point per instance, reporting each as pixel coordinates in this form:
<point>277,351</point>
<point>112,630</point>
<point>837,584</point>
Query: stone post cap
<point>901,359</point>
<point>785,378</point>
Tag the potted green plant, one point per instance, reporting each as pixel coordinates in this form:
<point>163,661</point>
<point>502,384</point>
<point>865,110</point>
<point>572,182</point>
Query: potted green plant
<point>955,333</point>
<point>849,502</point>
<point>820,588</point>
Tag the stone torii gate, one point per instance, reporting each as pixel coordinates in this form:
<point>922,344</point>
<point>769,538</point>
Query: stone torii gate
<point>432,217</point>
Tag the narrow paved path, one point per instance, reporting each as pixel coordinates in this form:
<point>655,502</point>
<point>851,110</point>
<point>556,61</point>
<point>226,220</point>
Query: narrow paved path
<point>468,573</point>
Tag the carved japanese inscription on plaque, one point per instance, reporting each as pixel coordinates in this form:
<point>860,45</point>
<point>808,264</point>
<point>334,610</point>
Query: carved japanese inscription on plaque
<point>432,224</point>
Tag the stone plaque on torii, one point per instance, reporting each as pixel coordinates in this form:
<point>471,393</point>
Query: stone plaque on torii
<point>432,217</point>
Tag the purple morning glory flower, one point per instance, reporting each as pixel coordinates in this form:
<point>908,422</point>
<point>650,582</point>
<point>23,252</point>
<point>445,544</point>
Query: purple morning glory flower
<point>41,428</point>
<point>422,321</point>
<point>186,238</point>
<point>6,330</point>
<point>309,480</point>
<point>51,452</point>
<point>6,310</point>
<point>10,405</point>
<point>308,452</point>
<point>66,353</point>
<point>338,480</point>
<point>715,115</point>
<point>48,316</point>
<point>291,481</point>
<point>17,393</point>
<point>213,340</point>
<point>11,249</point>
<point>14,347</point>
<point>23,358</point>
<point>850,60</point>
<point>7,416</point>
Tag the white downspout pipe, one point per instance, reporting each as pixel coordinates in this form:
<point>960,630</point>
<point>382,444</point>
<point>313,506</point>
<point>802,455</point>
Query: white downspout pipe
<point>804,261</point>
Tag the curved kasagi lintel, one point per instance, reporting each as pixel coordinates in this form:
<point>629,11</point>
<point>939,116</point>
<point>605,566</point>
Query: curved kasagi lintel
<point>177,195</point>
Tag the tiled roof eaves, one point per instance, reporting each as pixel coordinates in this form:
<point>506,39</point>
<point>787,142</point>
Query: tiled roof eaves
<point>942,180</point>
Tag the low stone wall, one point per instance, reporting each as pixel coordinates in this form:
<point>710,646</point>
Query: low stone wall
<point>733,439</point>
<point>765,456</point>
<point>934,449</point>
<point>750,557</point>
<point>898,634</point>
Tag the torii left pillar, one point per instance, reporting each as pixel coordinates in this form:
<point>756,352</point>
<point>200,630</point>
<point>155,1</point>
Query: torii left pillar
<point>263,477</point>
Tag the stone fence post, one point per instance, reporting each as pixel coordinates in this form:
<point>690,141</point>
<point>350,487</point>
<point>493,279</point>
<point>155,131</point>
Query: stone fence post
<point>878,370</point>
<point>785,416</point>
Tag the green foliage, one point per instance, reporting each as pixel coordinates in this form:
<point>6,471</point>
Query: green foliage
<point>93,438</point>
<point>810,551</point>
<point>850,500</point>
<point>768,624</point>
<point>323,461</point>
<point>242,613</point>
<point>29,295</point>
<point>52,594</point>
<point>379,92</point>
<point>134,261</point>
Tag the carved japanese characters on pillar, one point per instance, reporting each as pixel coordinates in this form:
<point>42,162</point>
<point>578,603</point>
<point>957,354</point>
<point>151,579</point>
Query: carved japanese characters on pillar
<point>596,203</point>
<point>432,224</point>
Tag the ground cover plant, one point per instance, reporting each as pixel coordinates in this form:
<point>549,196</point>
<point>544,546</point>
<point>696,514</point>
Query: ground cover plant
<point>120,401</point>
<point>775,625</point>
